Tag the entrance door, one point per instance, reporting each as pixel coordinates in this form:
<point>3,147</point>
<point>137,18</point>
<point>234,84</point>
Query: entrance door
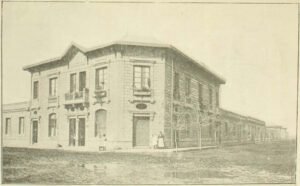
<point>81,132</point>
<point>34,132</point>
<point>100,123</point>
<point>141,131</point>
<point>72,132</point>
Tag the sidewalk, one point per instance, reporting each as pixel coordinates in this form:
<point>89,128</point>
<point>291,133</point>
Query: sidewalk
<point>135,150</point>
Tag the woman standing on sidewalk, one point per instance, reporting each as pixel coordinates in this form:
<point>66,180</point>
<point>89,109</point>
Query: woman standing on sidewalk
<point>161,142</point>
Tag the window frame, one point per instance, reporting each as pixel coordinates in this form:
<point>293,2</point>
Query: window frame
<point>35,91</point>
<point>104,70</point>
<point>176,86</point>
<point>52,124</point>
<point>188,86</point>
<point>21,129</point>
<point>200,95</point>
<point>210,93</point>
<point>7,126</point>
<point>145,82</point>
<point>82,81</point>
<point>54,88</point>
<point>188,123</point>
<point>73,85</point>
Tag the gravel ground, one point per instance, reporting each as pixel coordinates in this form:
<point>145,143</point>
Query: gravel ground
<point>254,163</point>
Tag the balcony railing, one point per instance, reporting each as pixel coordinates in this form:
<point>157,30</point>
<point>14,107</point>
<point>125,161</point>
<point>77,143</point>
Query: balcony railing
<point>77,97</point>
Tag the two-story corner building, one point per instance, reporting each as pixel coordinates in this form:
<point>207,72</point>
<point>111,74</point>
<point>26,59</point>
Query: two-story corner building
<point>124,92</point>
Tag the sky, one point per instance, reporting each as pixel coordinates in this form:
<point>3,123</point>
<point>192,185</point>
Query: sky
<point>254,47</point>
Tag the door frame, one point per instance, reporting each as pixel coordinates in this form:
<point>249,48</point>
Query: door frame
<point>69,124</point>
<point>32,133</point>
<point>78,132</point>
<point>134,127</point>
<point>77,117</point>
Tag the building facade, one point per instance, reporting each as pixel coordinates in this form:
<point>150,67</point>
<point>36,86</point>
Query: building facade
<point>276,133</point>
<point>124,93</point>
<point>237,128</point>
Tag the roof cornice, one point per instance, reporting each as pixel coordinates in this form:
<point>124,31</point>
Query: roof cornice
<point>85,51</point>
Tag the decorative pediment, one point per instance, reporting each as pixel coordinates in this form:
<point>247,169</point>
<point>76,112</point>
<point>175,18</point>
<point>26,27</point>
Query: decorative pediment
<point>74,56</point>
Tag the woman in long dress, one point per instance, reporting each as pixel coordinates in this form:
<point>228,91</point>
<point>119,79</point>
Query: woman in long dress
<point>161,143</point>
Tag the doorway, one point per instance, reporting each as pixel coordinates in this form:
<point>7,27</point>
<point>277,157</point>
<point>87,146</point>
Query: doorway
<point>100,123</point>
<point>141,132</point>
<point>72,132</point>
<point>34,131</point>
<point>81,132</point>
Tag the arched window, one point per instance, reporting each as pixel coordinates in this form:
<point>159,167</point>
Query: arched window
<point>52,125</point>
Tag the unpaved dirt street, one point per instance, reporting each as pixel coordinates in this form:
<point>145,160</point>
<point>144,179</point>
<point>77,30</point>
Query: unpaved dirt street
<point>254,163</point>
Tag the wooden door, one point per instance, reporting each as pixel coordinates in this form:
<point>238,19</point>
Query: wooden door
<point>81,132</point>
<point>72,132</point>
<point>34,132</point>
<point>141,131</point>
<point>100,122</point>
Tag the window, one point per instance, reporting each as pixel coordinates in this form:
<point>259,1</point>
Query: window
<point>210,129</point>
<point>35,90</point>
<point>226,128</point>
<point>210,98</point>
<point>21,125</point>
<point>73,82</point>
<point>217,98</point>
<point>200,95</point>
<point>7,126</point>
<point>82,81</point>
<point>188,125</point>
<point>188,90</point>
<point>101,78</point>
<point>142,78</point>
<point>187,87</point>
<point>234,130</point>
<point>176,92</point>
<point>53,87</point>
<point>52,125</point>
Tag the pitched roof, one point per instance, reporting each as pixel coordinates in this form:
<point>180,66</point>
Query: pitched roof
<point>128,42</point>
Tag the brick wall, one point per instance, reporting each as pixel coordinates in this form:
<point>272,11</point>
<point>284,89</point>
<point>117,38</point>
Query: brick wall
<point>189,106</point>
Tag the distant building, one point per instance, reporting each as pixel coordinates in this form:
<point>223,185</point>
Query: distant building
<point>237,128</point>
<point>124,93</point>
<point>275,133</point>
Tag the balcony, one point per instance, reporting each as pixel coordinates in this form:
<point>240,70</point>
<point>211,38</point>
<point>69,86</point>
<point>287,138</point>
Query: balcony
<point>78,97</point>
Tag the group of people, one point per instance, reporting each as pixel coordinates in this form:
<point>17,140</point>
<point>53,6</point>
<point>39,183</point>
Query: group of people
<point>158,141</point>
